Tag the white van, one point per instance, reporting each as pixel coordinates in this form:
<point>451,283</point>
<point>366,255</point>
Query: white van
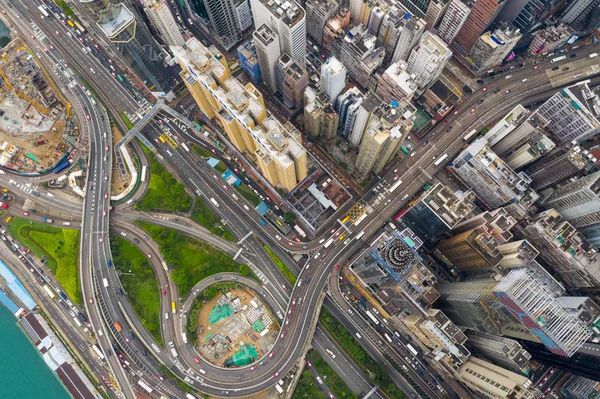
<point>524,80</point>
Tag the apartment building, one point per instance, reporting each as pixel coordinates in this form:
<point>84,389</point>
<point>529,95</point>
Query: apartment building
<point>333,79</point>
<point>360,55</point>
<point>318,12</point>
<point>503,351</point>
<point>335,28</point>
<point>493,47</point>
<point>479,19</point>
<point>162,20</point>
<point>320,118</point>
<point>347,108</point>
<point>266,43</point>
<point>456,15</point>
<point>427,60</point>
<point>396,83</point>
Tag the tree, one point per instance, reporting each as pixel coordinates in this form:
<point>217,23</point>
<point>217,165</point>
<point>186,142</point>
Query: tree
<point>289,217</point>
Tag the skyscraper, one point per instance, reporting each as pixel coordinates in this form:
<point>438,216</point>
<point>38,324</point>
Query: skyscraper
<point>503,351</point>
<point>360,55</point>
<point>395,83</point>
<point>481,16</point>
<point>428,59</point>
<point>320,118</point>
<point>347,108</point>
<point>318,12</point>
<point>453,20</point>
<point>492,48</point>
<point>578,11</point>
<point>249,61</point>
<point>411,34</point>
<point>163,21</point>
<point>267,50</point>
<point>224,22</point>
<point>288,20</point>
<point>122,28</point>
<point>333,78</point>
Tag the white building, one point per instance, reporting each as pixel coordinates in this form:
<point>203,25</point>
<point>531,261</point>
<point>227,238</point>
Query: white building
<point>333,78</point>
<point>267,50</point>
<point>412,31</point>
<point>428,58</point>
<point>454,18</point>
<point>163,21</point>
<point>244,14</point>
<point>288,20</point>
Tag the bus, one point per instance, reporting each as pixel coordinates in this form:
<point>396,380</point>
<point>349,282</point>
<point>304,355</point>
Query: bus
<point>373,318</point>
<point>360,219</point>
<point>120,78</point>
<point>328,243</point>
<point>214,202</point>
<point>144,170</point>
<point>173,307</point>
<point>162,139</point>
<point>49,291</point>
<point>185,147</point>
<point>387,337</point>
<point>359,236</point>
<point>440,160</point>
<point>395,186</point>
<point>411,349</point>
<point>299,230</point>
<point>562,57</point>
<point>78,25</point>
<point>404,150</point>
<point>97,351</point>
<point>70,23</point>
<point>44,12</point>
<point>146,387</point>
<point>164,265</point>
<point>471,134</point>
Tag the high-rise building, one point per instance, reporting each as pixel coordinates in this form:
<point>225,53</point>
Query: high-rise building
<point>506,125</point>
<point>531,151</point>
<point>318,12</point>
<point>163,21</point>
<point>439,210</point>
<point>578,387</point>
<point>417,8</point>
<point>492,48</point>
<point>375,19</point>
<point>411,34</point>
<point>266,44</point>
<point>244,14</point>
<point>428,59</point>
<point>453,20</point>
<point>564,249</point>
<point>249,61</point>
<point>559,166</point>
<point>363,116</point>
<point>549,39</point>
<point>355,6</point>
<point>435,12</point>
<point>503,351</point>
<point>495,183</point>
<point>122,26</point>
<point>333,78</point>
<point>360,55</point>
<point>335,28</point>
<point>481,16</point>
<point>524,15</point>
<point>494,382</point>
<point>578,11</point>
<point>320,118</point>
<point>347,108</point>
<point>288,20</point>
<point>515,130</point>
<point>240,111</point>
<point>578,202</point>
<point>383,134</point>
<point>572,113</point>
<point>224,21</point>
<point>293,83</point>
<point>395,83</point>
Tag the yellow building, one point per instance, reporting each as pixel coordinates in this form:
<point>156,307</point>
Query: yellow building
<point>240,111</point>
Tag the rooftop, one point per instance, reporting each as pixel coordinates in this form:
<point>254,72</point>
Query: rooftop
<point>288,11</point>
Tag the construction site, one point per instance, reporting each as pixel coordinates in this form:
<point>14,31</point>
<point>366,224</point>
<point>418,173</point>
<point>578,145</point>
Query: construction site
<point>235,329</point>
<point>35,129</point>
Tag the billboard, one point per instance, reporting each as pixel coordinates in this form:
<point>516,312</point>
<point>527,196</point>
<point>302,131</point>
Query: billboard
<point>572,39</point>
<point>535,327</point>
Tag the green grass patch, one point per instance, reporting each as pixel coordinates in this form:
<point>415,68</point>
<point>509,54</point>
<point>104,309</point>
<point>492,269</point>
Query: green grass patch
<point>337,386</point>
<point>307,388</point>
<point>59,246</point>
<point>128,123</point>
<point>247,193</point>
<point>360,356</point>
<point>91,89</point>
<point>140,283</point>
<point>201,151</point>
<point>221,167</point>
<point>66,9</point>
<point>287,273</point>
<point>190,259</point>
<point>164,192</point>
<point>202,215</point>
<point>206,295</point>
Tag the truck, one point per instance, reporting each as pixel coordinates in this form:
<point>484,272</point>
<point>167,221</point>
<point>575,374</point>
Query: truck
<point>117,326</point>
<point>47,220</point>
<point>173,352</point>
<point>330,353</point>
<point>299,230</point>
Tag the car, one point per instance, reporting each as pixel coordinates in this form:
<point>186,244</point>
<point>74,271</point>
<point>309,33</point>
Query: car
<point>287,321</point>
<point>114,75</point>
<point>508,91</point>
<point>484,89</point>
<point>104,212</point>
<point>87,116</point>
<point>105,195</point>
<point>216,177</point>
<point>197,360</point>
<point>480,101</point>
<point>149,255</point>
<point>332,231</point>
<point>45,50</point>
<point>497,90</point>
<point>473,109</point>
<point>65,64</point>
<point>291,244</point>
<point>105,177</point>
<point>124,365</point>
<point>91,300</point>
<point>536,67</point>
<point>565,69</point>
<point>164,292</point>
<point>271,354</point>
<point>284,287</point>
<point>508,77</point>
<point>160,377</point>
<point>446,122</point>
<point>100,239</point>
<point>282,334</point>
<point>573,55</point>
<point>252,368</point>
<point>330,395</point>
<point>58,33</point>
<point>25,214</point>
<point>396,177</point>
<point>106,147</point>
<point>455,112</point>
<point>293,301</point>
<point>225,187</point>
<point>276,375</point>
<point>111,62</point>
<point>448,129</point>
<point>51,47</point>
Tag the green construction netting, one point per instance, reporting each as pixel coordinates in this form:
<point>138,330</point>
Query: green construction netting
<point>258,326</point>
<point>246,355</point>
<point>219,313</point>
